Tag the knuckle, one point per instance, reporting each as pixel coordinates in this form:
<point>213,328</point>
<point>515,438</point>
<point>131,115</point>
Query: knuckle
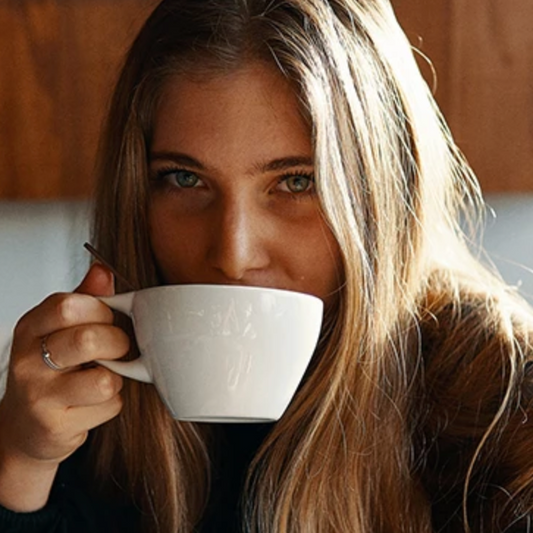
<point>66,309</point>
<point>85,339</point>
<point>108,384</point>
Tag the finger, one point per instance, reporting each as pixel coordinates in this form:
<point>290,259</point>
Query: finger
<point>61,311</point>
<point>82,344</point>
<point>84,388</point>
<point>85,418</point>
<point>99,281</point>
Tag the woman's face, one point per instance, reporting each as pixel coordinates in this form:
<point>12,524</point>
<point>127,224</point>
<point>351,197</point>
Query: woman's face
<point>233,199</point>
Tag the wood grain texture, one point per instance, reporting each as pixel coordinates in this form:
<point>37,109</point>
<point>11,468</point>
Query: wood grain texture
<point>426,24</point>
<point>58,62</point>
<point>491,88</point>
<point>59,59</point>
<point>483,54</point>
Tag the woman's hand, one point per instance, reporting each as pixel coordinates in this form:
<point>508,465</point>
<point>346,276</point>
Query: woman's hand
<point>45,414</point>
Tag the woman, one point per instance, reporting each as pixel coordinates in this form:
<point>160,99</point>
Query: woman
<point>291,144</point>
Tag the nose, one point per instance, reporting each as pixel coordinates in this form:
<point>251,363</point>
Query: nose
<point>238,244</point>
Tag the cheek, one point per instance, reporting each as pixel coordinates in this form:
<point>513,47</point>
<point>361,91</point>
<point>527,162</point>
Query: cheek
<point>176,248</point>
<point>317,261</point>
<point>330,268</point>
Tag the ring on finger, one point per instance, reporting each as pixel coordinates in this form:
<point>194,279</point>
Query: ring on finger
<point>47,357</point>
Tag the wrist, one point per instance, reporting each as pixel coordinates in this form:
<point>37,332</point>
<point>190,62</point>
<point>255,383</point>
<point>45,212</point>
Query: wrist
<point>25,483</point>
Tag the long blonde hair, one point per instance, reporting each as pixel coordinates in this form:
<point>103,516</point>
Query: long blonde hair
<point>356,450</point>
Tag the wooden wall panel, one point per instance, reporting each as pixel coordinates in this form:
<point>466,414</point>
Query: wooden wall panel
<point>491,108</point>
<point>58,61</point>
<point>427,24</point>
<point>483,54</point>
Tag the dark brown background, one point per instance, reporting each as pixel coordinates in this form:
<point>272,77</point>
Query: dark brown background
<point>59,59</point>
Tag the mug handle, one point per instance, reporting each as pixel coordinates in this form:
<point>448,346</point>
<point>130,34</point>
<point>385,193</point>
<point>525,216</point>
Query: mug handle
<point>137,368</point>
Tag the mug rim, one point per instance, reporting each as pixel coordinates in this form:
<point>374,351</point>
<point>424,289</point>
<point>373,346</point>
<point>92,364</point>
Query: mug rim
<point>222,286</point>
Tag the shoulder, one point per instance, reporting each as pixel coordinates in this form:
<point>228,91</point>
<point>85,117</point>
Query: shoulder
<point>477,429</point>
<point>476,341</point>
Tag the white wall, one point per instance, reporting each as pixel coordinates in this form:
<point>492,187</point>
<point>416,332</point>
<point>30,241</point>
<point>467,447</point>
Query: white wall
<point>41,250</point>
<point>508,239</point>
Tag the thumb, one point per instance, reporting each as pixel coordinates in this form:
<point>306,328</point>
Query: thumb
<point>99,281</point>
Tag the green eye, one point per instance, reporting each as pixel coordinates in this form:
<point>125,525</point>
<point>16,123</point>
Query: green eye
<point>298,184</point>
<point>185,179</point>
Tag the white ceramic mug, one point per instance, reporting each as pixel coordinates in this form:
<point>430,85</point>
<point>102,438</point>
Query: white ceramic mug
<point>219,353</point>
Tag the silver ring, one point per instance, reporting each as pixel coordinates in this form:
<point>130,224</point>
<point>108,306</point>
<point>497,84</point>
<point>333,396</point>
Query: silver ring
<point>47,358</point>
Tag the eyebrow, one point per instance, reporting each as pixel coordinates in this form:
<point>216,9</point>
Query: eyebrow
<point>285,163</point>
<point>275,165</point>
<point>177,157</point>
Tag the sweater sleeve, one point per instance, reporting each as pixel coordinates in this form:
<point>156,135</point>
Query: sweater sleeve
<point>47,520</point>
<point>72,509</point>
<point>44,521</point>
<point>50,519</point>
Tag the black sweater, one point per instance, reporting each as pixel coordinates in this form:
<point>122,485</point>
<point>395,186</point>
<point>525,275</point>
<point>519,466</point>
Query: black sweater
<point>71,509</point>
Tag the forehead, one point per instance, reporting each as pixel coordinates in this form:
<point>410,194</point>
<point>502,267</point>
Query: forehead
<point>254,104</point>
